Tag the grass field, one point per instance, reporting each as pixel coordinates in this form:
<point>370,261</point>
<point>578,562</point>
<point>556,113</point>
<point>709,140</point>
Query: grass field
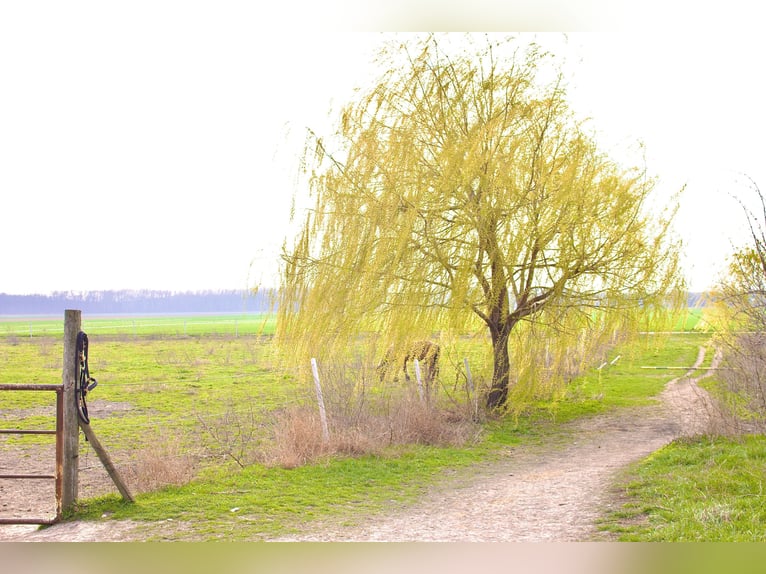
<point>700,490</point>
<point>153,325</point>
<point>190,325</point>
<point>163,387</point>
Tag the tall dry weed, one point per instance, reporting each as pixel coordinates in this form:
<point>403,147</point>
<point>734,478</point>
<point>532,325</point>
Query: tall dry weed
<point>363,417</point>
<point>166,463</point>
<point>298,437</point>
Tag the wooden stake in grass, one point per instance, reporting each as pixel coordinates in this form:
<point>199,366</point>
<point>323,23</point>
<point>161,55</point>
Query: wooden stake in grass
<point>471,394</point>
<point>320,400</point>
<point>420,381</point>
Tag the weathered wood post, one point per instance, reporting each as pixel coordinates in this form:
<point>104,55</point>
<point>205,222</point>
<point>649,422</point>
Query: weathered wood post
<point>70,373</point>
<point>106,460</point>
<point>420,381</point>
<point>471,395</point>
<point>320,400</point>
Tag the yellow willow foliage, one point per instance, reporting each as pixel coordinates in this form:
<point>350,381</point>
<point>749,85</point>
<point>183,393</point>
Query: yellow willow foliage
<point>460,194</point>
<point>741,296</point>
<point>741,293</point>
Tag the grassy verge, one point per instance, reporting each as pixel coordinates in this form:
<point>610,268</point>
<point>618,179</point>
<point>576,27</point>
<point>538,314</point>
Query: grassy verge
<point>259,502</point>
<point>695,490</point>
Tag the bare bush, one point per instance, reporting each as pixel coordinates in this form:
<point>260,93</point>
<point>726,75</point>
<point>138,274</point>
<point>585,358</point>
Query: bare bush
<point>234,434</point>
<point>415,422</point>
<point>742,392</point>
<point>363,419</point>
<point>742,304</point>
<point>168,463</point>
<point>298,440</point>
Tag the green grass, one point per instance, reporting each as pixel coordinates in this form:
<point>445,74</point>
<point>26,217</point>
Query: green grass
<point>630,377</point>
<point>169,381</point>
<point>165,326</point>
<point>260,502</point>
<point>696,490</point>
<point>692,319</point>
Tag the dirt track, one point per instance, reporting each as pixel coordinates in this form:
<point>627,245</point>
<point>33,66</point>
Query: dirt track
<point>553,492</point>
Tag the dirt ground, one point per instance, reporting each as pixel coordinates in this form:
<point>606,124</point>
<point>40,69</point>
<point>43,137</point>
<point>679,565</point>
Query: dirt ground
<point>553,492</point>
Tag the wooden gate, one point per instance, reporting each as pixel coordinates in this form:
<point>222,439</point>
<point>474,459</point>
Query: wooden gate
<point>68,426</point>
<point>57,476</point>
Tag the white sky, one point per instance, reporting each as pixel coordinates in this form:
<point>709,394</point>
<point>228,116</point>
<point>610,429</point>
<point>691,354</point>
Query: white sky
<point>144,144</point>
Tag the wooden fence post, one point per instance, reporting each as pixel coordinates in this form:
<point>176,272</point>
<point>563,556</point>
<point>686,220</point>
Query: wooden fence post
<point>471,395</point>
<point>320,400</point>
<point>420,381</point>
<point>70,372</point>
<point>103,456</point>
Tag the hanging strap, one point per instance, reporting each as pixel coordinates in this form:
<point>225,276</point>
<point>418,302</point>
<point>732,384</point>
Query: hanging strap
<point>86,382</point>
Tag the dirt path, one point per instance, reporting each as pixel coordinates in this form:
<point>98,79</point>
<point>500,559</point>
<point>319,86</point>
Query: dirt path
<point>553,492</point>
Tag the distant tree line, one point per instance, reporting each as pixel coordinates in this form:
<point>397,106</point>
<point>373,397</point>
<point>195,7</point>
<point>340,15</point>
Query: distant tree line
<point>156,302</point>
<point>136,302</point>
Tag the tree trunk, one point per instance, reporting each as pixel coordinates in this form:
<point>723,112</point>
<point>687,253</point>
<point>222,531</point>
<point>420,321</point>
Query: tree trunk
<point>498,393</point>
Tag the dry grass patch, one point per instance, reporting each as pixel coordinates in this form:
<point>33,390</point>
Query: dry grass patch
<point>164,464</point>
<point>298,436</point>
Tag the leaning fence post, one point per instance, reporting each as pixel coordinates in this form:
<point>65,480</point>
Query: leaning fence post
<point>320,400</point>
<point>103,456</point>
<point>71,430</point>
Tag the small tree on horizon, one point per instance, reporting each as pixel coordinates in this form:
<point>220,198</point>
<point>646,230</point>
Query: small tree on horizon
<point>461,187</point>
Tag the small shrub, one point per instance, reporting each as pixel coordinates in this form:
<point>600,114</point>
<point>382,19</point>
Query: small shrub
<point>364,417</point>
<point>298,437</point>
<point>163,464</point>
<point>741,393</point>
<point>415,422</point>
<point>234,434</point>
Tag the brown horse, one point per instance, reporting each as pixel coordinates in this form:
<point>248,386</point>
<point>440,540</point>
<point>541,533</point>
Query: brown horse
<point>427,354</point>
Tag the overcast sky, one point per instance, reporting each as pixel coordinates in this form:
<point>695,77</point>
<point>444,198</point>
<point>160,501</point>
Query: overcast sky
<point>153,144</point>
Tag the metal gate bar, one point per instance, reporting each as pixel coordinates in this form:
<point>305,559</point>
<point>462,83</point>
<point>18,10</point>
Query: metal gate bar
<point>59,432</point>
<point>20,431</point>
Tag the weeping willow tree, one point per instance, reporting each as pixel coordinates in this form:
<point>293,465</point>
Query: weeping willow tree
<point>458,191</point>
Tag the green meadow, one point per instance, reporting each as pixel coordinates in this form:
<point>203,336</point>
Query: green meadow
<point>200,384</point>
<point>144,326</point>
